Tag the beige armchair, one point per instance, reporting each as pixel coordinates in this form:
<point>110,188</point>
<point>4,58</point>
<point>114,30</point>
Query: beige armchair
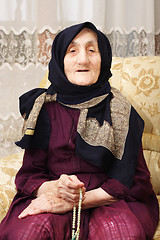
<point>138,78</point>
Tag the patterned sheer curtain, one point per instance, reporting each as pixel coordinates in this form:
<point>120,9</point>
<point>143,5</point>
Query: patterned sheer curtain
<point>28,27</point>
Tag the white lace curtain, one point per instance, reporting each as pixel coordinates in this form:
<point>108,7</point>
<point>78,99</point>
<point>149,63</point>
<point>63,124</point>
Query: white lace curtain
<point>28,27</point>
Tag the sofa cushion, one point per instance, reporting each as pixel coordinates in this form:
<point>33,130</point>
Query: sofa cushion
<point>138,79</point>
<point>8,168</point>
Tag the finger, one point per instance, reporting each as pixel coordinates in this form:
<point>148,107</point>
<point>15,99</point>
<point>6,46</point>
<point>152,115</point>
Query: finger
<point>72,193</point>
<point>32,209</point>
<point>73,196</point>
<point>26,212</point>
<point>71,182</point>
<point>75,180</point>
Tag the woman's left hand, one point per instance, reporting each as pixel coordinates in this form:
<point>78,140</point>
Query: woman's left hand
<point>47,203</point>
<point>66,187</point>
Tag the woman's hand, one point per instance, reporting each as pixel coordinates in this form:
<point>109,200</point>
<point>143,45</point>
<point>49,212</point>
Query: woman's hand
<point>66,187</point>
<point>47,203</point>
<point>57,196</point>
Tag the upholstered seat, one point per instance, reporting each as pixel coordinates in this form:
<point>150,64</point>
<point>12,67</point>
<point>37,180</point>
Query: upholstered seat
<point>138,78</point>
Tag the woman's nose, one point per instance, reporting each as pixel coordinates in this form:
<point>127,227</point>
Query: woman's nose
<point>82,57</point>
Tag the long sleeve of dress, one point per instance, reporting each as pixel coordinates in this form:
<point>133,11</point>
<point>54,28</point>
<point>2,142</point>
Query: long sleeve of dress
<point>141,188</point>
<point>33,171</point>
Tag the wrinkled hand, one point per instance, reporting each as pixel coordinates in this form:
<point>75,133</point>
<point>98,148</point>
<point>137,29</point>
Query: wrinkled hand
<point>68,188</point>
<point>57,196</point>
<point>46,203</point>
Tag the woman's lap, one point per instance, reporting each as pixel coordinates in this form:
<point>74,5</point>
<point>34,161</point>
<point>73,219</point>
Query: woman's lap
<point>44,226</point>
<point>115,222</point>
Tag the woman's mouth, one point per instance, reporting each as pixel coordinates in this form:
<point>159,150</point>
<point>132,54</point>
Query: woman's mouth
<point>82,70</point>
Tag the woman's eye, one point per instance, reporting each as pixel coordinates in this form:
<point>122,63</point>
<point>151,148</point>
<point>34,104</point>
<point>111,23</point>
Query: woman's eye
<point>72,50</point>
<point>91,50</point>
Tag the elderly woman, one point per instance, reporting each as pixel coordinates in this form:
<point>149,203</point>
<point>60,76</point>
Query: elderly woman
<point>81,134</point>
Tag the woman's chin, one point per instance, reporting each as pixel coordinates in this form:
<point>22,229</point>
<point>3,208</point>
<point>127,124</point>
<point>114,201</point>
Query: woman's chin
<point>83,81</point>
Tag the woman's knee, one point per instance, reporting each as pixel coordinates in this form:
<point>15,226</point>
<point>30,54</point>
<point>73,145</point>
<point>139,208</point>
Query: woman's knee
<point>114,225</point>
<point>35,227</point>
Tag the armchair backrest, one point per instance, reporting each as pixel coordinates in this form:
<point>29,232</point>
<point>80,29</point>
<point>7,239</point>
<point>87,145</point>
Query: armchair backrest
<point>138,78</point>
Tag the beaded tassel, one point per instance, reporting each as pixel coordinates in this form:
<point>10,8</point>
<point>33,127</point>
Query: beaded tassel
<point>75,235</point>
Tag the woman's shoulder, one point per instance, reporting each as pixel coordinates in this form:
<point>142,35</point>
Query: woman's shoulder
<point>117,94</point>
<point>119,102</point>
<point>121,106</point>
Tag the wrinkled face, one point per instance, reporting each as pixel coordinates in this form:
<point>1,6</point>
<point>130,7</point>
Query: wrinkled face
<point>82,61</point>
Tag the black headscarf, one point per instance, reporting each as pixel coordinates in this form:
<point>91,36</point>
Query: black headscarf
<point>70,93</point>
<point>106,133</point>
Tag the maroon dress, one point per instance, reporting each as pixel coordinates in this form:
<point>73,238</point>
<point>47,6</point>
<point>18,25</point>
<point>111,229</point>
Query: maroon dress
<point>134,216</point>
